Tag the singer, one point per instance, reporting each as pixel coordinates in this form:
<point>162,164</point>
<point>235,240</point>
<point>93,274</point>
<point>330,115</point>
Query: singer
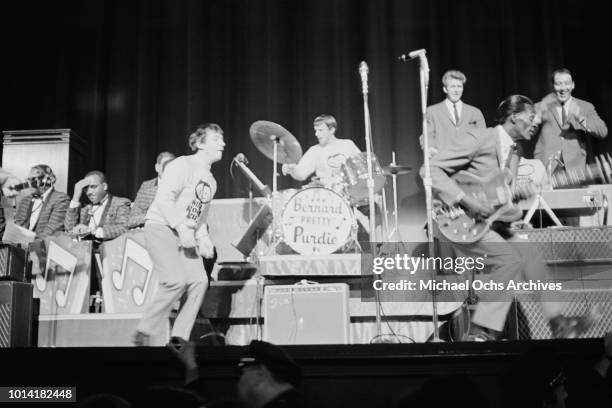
<point>176,235</point>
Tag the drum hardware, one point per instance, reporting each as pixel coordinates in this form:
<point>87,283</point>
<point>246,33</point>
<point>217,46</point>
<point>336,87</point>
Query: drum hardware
<point>276,143</point>
<point>394,170</point>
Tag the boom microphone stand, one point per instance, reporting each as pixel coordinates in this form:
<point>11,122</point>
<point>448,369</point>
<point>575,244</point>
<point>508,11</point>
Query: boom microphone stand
<point>363,72</point>
<point>424,80</point>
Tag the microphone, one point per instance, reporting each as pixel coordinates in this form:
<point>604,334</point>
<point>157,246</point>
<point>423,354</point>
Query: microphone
<point>24,185</point>
<point>363,72</point>
<point>240,157</point>
<point>412,55</point>
<point>240,161</point>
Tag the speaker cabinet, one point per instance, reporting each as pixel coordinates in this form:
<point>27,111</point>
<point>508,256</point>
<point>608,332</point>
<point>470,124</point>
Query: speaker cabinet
<point>12,263</point>
<point>307,314</point>
<point>15,314</point>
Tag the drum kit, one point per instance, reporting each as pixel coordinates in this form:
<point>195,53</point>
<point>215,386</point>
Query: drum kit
<point>321,217</point>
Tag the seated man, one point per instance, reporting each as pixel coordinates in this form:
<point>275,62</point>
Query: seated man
<point>104,218</point>
<point>43,209</point>
<point>146,192</point>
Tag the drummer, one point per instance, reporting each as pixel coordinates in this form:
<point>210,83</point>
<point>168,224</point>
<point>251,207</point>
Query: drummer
<point>323,159</point>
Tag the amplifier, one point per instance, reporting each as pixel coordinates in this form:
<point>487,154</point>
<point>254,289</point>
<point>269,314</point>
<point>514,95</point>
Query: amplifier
<point>526,320</point>
<point>307,314</point>
<point>571,244</point>
<point>12,262</point>
<point>15,314</point>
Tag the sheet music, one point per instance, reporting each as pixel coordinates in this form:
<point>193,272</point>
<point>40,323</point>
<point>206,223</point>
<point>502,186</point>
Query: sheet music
<point>14,234</point>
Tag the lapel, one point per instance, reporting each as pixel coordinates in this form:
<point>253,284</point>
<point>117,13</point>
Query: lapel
<point>498,147</point>
<point>106,208</point>
<point>553,112</point>
<point>446,113</point>
<point>28,213</point>
<point>44,205</point>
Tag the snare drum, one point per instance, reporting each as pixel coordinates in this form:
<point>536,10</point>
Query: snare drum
<point>317,221</point>
<point>354,173</point>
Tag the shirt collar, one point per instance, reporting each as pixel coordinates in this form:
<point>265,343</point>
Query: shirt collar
<point>44,196</point>
<point>504,137</point>
<point>449,104</point>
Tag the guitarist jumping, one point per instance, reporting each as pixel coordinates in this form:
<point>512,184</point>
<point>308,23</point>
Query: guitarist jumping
<point>481,154</point>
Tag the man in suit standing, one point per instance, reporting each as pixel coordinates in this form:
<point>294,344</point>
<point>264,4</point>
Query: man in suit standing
<point>146,192</point>
<point>568,125</point>
<point>482,152</point>
<point>451,118</point>
<point>43,209</point>
<point>104,218</point>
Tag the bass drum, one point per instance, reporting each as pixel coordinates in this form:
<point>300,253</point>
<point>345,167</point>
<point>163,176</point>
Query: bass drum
<point>317,221</point>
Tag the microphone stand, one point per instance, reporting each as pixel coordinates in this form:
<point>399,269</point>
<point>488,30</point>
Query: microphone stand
<point>363,70</point>
<point>424,82</point>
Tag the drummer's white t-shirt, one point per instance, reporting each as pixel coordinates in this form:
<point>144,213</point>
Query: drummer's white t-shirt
<point>324,160</point>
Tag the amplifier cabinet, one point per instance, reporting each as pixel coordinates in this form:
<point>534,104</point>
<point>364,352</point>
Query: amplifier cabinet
<point>307,314</point>
<point>15,314</point>
<point>12,262</point>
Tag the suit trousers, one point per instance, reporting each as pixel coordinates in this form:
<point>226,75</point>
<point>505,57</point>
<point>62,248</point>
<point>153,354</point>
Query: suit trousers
<point>506,260</point>
<point>179,271</point>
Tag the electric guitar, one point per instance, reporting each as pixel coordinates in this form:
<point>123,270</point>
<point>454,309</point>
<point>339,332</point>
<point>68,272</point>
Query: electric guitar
<point>458,225</point>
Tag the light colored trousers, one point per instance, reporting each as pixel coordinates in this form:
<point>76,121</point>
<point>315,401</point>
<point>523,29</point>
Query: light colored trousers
<point>179,271</point>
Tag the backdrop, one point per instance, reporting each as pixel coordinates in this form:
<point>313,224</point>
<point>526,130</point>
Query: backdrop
<point>134,78</point>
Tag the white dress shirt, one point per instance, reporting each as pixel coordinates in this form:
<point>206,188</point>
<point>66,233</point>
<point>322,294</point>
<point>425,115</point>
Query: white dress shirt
<point>37,204</point>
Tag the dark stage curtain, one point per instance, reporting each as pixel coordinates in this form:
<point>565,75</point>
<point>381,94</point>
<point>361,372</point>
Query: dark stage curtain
<point>134,78</point>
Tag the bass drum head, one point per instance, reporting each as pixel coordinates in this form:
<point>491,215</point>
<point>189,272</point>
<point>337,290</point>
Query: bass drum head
<point>317,221</point>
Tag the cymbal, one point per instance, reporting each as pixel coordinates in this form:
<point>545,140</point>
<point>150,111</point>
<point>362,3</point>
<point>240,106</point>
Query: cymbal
<point>396,169</point>
<point>263,134</point>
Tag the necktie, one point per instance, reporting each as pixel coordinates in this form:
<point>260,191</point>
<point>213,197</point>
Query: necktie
<point>456,114</point>
<point>563,115</point>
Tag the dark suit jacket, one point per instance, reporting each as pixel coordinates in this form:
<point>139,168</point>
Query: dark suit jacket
<point>574,144</point>
<point>144,199</point>
<point>113,221</point>
<point>478,152</point>
<point>52,213</point>
<point>441,126</point>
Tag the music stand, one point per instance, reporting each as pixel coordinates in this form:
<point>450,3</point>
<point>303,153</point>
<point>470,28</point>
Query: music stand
<point>255,231</point>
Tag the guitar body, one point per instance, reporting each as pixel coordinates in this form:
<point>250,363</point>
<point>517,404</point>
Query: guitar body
<point>459,226</point>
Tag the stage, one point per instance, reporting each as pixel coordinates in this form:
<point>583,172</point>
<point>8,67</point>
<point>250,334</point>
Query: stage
<point>333,375</point>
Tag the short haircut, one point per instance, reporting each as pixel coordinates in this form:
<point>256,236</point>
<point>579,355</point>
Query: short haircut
<point>200,134</point>
<point>328,120</point>
<point>163,155</point>
<point>453,74</point>
<point>561,71</point>
<point>97,173</point>
<point>511,105</point>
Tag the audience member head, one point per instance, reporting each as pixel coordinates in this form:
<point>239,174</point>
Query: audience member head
<point>325,128</point>
<point>42,177</point>
<point>563,84</point>
<point>453,390</point>
<point>97,188</point>
<point>168,397</point>
<point>208,138</point>
<point>452,85</point>
<point>516,114</point>
<point>265,372</point>
<point>104,401</point>
<point>160,162</point>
